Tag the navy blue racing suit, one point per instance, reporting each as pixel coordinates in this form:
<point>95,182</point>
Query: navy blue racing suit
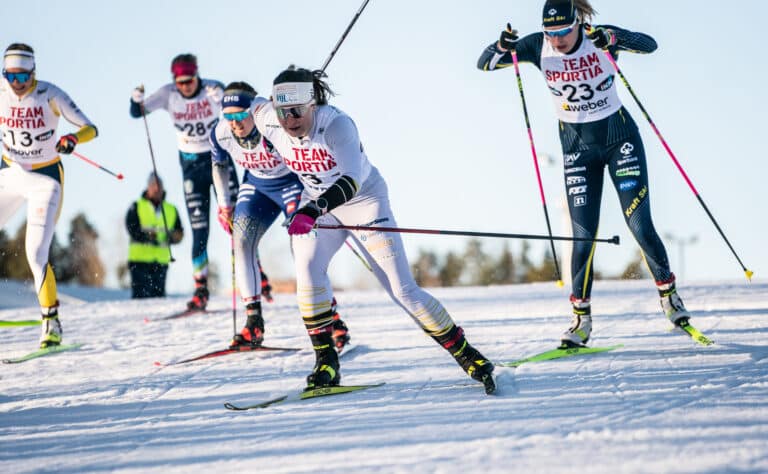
<point>589,146</point>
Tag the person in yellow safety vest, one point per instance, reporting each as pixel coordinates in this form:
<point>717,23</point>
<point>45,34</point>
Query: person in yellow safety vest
<point>149,252</point>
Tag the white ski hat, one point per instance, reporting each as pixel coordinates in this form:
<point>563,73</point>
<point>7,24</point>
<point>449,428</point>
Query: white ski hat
<point>287,94</point>
<point>17,58</point>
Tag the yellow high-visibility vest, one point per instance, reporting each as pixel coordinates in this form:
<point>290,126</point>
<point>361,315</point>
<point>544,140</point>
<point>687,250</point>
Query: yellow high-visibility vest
<point>150,219</point>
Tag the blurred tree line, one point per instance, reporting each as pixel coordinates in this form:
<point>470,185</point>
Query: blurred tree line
<point>76,262</point>
<point>475,267</point>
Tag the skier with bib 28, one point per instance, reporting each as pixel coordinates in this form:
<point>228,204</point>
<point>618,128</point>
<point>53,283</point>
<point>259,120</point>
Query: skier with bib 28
<point>194,105</point>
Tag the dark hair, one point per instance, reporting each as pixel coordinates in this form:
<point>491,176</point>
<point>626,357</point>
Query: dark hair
<point>185,58</point>
<point>20,47</point>
<point>321,88</point>
<point>240,86</point>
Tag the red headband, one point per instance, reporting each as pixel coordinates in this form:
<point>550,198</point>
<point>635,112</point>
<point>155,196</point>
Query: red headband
<point>184,70</point>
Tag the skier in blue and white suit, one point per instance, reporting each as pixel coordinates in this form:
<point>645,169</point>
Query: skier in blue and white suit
<point>268,189</point>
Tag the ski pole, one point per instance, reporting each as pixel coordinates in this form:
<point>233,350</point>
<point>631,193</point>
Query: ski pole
<point>93,163</point>
<point>536,163</point>
<point>344,35</point>
<point>747,272</point>
<point>234,283</point>
<point>325,65</point>
<point>154,170</point>
<point>403,230</point>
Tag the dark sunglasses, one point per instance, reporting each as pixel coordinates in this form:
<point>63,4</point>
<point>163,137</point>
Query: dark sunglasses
<point>237,116</point>
<point>21,77</point>
<point>297,111</point>
<point>184,82</point>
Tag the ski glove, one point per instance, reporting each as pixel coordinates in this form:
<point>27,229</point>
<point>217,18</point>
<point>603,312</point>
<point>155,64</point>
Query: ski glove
<point>225,218</point>
<point>602,38</point>
<point>138,95</point>
<point>66,144</point>
<point>304,220</point>
<point>508,39</point>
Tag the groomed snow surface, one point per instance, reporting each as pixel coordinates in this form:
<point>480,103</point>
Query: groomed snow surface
<point>660,404</point>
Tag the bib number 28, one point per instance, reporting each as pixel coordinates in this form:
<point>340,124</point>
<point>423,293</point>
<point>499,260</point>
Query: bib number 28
<point>195,129</point>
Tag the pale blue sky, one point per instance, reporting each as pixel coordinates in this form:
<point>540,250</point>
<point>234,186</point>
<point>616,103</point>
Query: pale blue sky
<point>449,139</point>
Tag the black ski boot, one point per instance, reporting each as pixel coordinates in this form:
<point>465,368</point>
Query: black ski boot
<point>253,332</point>
<point>469,358</point>
<point>200,298</point>
<point>326,371</point>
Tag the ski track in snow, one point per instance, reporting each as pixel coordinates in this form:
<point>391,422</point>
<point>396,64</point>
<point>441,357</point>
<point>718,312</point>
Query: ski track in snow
<point>662,403</point>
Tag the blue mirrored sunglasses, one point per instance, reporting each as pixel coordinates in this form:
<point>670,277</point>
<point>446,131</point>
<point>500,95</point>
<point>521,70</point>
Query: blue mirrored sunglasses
<point>562,31</point>
<point>21,77</point>
<point>237,116</point>
<point>297,111</point>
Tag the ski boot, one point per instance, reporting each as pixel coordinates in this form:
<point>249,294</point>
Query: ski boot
<point>266,288</point>
<point>253,332</point>
<point>200,298</point>
<point>340,333</point>
<point>326,371</point>
<point>672,304</point>
<point>51,330</point>
<point>578,333</point>
<point>469,358</point>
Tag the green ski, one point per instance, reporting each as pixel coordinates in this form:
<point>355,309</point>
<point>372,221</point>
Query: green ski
<point>43,352</point>
<point>29,322</point>
<point>559,353</point>
<point>695,334</point>
<point>303,395</point>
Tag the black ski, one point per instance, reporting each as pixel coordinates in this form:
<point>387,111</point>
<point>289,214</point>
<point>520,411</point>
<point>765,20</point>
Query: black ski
<point>303,395</point>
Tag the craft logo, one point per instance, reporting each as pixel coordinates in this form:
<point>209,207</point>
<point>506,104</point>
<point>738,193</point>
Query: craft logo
<point>571,180</point>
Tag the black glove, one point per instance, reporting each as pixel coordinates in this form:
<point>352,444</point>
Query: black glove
<point>602,38</point>
<point>509,38</point>
<point>66,144</point>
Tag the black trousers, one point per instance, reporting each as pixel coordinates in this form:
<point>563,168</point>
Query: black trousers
<point>147,279</point>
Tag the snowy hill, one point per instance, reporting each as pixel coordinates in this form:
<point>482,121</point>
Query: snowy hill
<point>661,403</point>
